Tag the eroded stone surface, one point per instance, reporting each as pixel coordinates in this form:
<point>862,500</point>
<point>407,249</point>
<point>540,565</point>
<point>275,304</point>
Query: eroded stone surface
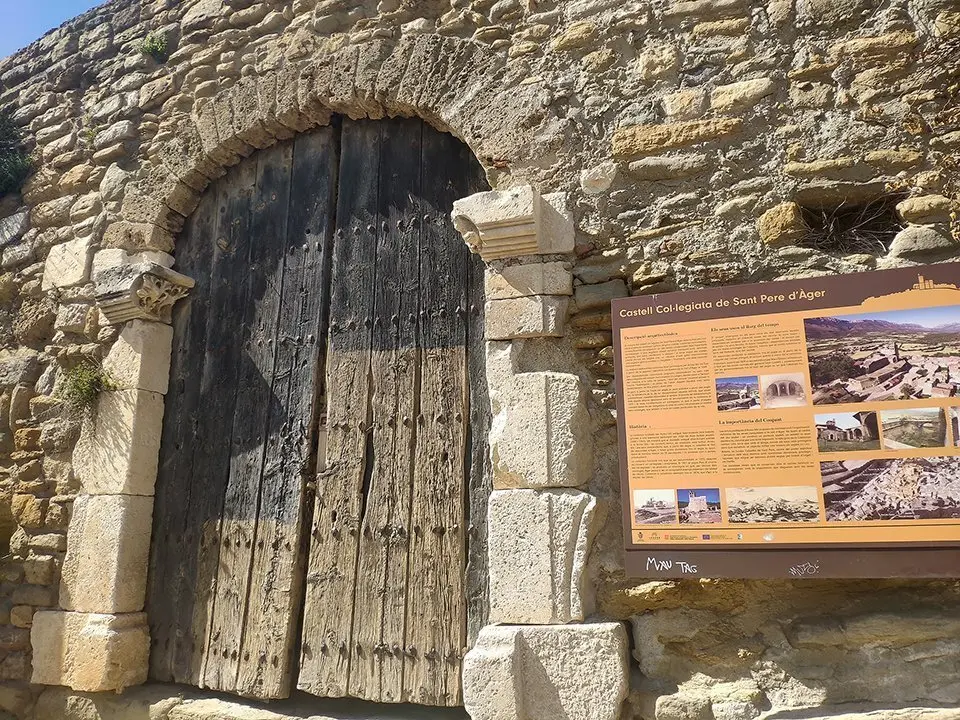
<point>538,544</point>
<point>578,672</point>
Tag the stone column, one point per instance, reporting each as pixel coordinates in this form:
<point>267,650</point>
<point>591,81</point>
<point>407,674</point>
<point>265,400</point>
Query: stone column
<point>541,660</point>
<point>99,640</point>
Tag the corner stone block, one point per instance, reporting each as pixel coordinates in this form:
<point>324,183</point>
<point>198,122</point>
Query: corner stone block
<point>119,444</point>
<point>575,672</point>
<point>140,358</point>
<point>538,544</point>
<point>108,546</point>
<point>67,264</point>
<point>526,317</point>
<point>90,652</point>
<point>541,438</point>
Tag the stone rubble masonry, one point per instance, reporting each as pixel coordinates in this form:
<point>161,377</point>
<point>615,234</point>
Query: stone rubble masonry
<point>781,225</point>
<point>636,140</point>
<point>117,452</point>
<point>140,357</point>
<point>541,437</point>
<point>575,672</point>
<point>108,545</point>
<point>89,652</point>
<point>538,543</point>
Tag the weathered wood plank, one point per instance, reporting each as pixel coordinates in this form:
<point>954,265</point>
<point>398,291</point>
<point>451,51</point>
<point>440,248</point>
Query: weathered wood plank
<point>327,643</point>
<point>380,600</point>
<point>170,587</point>
<point>276,585</point>
<point>479,475</point>
<point>436,613</point>
<point>258,355</point>
<point>216,398</point>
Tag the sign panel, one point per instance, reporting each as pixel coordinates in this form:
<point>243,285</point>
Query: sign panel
<point>801,428</point>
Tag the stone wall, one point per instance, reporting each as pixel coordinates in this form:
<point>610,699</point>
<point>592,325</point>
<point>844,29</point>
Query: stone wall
<point>693,142</point>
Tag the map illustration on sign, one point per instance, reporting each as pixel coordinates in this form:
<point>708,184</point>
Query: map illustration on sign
<point>805,415</point>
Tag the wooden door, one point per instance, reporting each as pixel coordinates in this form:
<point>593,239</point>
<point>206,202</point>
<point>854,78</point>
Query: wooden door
<point>357,570</point>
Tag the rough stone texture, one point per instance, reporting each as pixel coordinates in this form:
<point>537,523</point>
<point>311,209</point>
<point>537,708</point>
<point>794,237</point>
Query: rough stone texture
<point>538,544</point>
<point>89,652</point>
<point>108,543</point>
<point>140,358</point>
<point>928,209</point>
<point>781,225</point>
<point>578,672</point>
<point>647,139</point>
<point>515,281</point>
<point>638,112</point>
<point>526,317</point>
<point>539,439</point>
<point>68,264</point>
<point>924,242</point>
<point>119,443</point>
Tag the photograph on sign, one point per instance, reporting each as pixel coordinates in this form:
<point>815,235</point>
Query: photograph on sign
<point>818,414</point>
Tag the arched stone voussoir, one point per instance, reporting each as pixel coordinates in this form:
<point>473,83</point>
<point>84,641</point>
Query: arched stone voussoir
<point>456,85</point>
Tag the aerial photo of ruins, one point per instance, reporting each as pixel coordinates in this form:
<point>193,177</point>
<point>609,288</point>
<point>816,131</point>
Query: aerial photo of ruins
<point>654,507</point>
<point>847,431</point>
<point>773,504</point>
<point>895,355</point>
<point>913,428</point>
<point>893,489</point>
<point>738,393</point>
<point>699,506</point>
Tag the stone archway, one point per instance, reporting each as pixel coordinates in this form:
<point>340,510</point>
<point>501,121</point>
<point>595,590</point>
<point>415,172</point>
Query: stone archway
<point>459,87</point>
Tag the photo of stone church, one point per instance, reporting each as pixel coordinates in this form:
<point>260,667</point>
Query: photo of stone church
<point>847,431</point>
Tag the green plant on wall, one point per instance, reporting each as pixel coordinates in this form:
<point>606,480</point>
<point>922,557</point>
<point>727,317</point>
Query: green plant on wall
<point>14,161</point>
<point>82,385</point>
<point>155,45</point>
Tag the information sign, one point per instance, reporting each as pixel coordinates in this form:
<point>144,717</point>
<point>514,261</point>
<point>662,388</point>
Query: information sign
<point>802,428</point>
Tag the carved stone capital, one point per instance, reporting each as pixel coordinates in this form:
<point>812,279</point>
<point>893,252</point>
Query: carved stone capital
<point>511,223</point>
<point>144,290</point>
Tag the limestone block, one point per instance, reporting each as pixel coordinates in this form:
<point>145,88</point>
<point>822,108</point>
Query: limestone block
<point>576,36</point>
<point>923,241</point>
<point>928,209</point>
<point>781,225</point>
<point>669,166</point>
<point>140,358</point>
<point>527,317</point>
<point>119,442</point>
<point>516,281</point>
<point>599,178</point>
<point>574,672</point>
<point>19,366</point>
<point>108,545</point>
<point>515,222</point>
<point>540,439</point>
<point>740,95</point>
<point>68,264</point>
<point>538,546</point>
<point>89,652</point>
<point>637,140</point>
<point>13,227</point>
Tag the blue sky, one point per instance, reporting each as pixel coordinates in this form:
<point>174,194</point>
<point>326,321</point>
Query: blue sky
<point>27,20</point>
<point>927,317</point>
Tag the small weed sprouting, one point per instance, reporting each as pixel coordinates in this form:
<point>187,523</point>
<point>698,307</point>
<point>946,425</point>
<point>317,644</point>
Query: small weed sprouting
<point>82,384</point>
<point>155,45</point>
<point>15,163</point>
